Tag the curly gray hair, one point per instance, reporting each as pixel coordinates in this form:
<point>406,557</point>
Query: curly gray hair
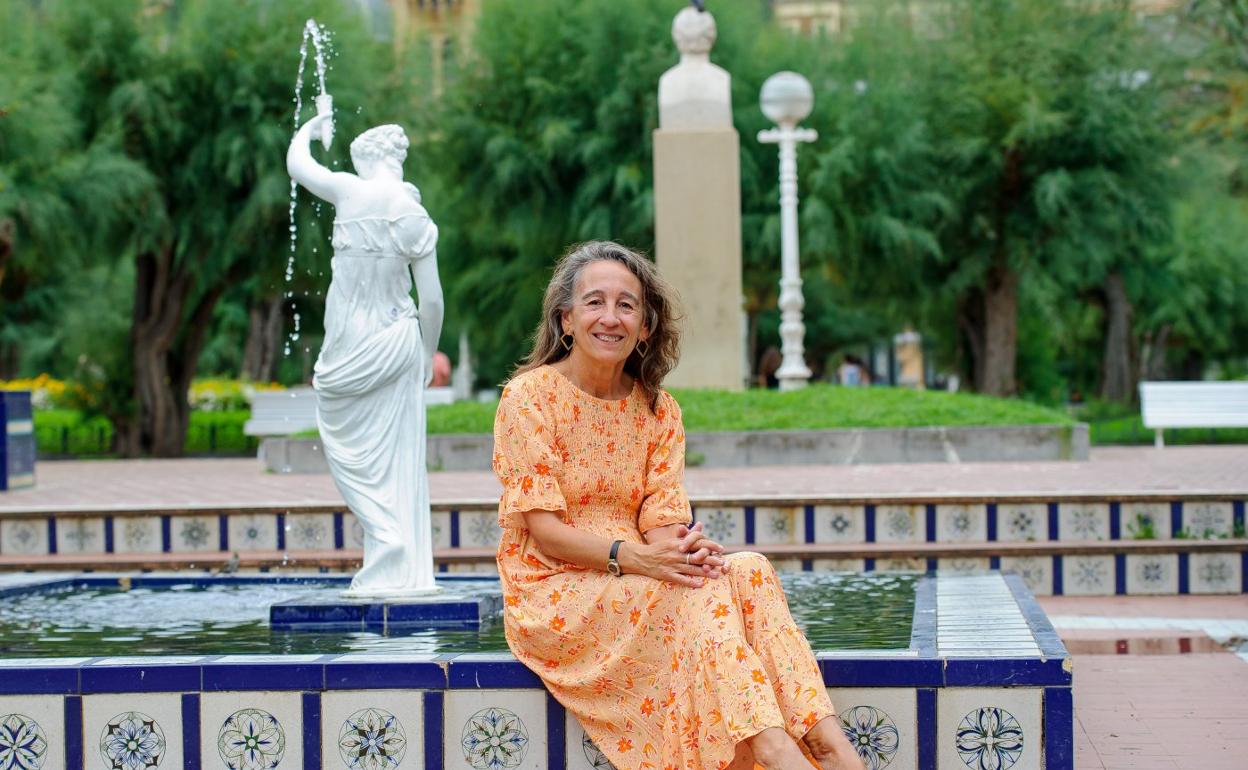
<point>386,142</point>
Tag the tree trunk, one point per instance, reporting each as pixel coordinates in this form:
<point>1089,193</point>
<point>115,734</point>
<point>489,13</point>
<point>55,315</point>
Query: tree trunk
<point>1154,364</point>
<point>7,234</point>
<point>1118,362</point>
<point>166,342</point>
<point>264,339</point>
<point>1000,333</point>
<point>971,325</point>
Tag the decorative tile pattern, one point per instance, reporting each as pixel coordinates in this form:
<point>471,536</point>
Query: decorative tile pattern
<point>962,566</point>
<point>256,532</point>
<point>440,526</point>
<point>132,732</point>
<point>838,565</point>
<point>779,525</point>
<point>79,535</point>
<point>985,728</point>
<point>901,565</point>
<point>1088,575</point>
<point>1022,522</point>
<point>1083,521</point>
<point>32,732</point>
<point>195,533</point>
<point>580,751</point>
<point>28,537</point>
<point>1152,574</point>
<point>479,529</point>
<point>251,730</point>
<point>1036,572</point>
<point>881,725</point>
<point>136,534</point>
<point>23,743</point>
<point>495,730</point>
<point>353,531</point>
<point>900,523</point>
<point>1138,519</point>
<point>1205,520</point>
<point>961,523</point>
<point>723,525</point>
<point>1215,573</point>
<point>309,532</point>
<point>840,524</point>
<point>787,565</point>
<point>372,729</point>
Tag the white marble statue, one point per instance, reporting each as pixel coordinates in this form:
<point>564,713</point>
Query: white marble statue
<point>377,355</point>
<point>695,94</point>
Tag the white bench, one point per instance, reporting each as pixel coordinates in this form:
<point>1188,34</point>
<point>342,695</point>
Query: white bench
<point>284,412</point>
<point>1193,405</point>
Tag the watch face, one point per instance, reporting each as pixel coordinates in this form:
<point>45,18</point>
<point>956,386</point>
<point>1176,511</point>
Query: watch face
<point>613,567</point>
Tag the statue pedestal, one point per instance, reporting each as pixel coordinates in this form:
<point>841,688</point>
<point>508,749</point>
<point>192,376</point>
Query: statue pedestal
<point>697,229</point>
<point>452,607</point>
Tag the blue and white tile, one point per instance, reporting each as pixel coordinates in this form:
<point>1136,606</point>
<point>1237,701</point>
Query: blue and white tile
<point>479,529</point>
<point>487,729</point>
<point>1152,573</point>
<point>901,565</point>
<point>779,525</point>
<point>137,534</point>
<point>309,532</point>
<point>440,528</point>
<point>253,532</point>
<point>32,732</point>
<point>353,530</point>
<point>1083,521</point>
<point>988,727</point>
<point>900,523</point>
<point>840,524</point>
<point>723,524</point>
<point>194,533</point>
<point>881,724</point>
<point>251,730</point>
<point>1036,572</point>
<point>1215,573</point>
<point>372,730</point>
<point>1088,575</point>
<point>962,566</point>
<point>961,523</point>
<point>1022,522</point>
<point>24,537</point>
<point>839,565</point>
<point>581,752</point>
<point>482,568</point>
<point>787,565</point>
<point>1205,520</point>
<point>132,732</point>
<point>1137,518</point>
<point>80,534</point>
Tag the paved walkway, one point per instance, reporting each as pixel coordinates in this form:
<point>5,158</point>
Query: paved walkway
<point>1158,712</point>
<point>204,483</point>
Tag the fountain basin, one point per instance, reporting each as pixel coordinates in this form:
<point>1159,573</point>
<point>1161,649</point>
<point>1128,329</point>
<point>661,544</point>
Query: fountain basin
<point>979,662</point>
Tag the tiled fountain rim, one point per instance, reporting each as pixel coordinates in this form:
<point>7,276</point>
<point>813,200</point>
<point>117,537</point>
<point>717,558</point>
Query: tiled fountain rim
<point>917,666</point>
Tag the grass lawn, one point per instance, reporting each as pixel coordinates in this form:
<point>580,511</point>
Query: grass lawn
<point>813,408</point>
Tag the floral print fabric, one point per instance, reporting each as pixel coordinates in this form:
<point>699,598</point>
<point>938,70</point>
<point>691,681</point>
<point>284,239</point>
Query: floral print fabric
<point>662,677</point>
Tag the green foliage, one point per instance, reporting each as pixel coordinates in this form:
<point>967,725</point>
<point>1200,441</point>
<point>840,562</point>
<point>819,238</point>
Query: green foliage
<point>1143,528</point>
<point>72,433</point>
<point>814,408</point>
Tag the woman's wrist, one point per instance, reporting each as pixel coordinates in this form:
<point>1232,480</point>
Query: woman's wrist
<point>628,558</point>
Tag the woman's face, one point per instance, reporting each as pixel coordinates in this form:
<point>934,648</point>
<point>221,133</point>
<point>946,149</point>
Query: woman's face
<point>607,318</point>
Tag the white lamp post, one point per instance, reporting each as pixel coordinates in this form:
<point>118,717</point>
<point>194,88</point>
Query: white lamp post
<point>786,100</point>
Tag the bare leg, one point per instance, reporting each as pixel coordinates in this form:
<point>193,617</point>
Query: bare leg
<point>774,749</point>
<point>743,759</point>
<point>830,748</point>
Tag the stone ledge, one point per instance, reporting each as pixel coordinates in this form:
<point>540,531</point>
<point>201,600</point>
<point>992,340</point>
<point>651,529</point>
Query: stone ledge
<point>959,444</point>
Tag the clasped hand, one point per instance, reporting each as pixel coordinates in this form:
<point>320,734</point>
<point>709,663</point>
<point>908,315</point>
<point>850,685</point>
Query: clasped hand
<point>689,558</point>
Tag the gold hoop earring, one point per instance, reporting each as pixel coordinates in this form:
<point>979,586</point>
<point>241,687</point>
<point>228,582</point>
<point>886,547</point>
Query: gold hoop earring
<point>566,340</point>
<point>642,351</point>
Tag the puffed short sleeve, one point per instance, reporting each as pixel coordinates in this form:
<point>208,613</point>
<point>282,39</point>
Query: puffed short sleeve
<point>525,459</point>
<point>665,499</point>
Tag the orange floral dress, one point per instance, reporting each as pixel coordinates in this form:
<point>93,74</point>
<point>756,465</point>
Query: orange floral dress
<point>661,676</point>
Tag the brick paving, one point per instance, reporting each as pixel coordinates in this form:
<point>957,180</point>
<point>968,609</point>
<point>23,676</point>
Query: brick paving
<point>1157,712</point>
<point>211,483</point>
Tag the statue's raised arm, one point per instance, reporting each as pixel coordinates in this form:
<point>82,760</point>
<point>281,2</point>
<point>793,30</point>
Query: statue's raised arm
<point>328,185</point>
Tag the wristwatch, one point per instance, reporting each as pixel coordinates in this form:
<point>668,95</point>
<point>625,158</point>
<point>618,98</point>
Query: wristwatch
<point>613,566</point>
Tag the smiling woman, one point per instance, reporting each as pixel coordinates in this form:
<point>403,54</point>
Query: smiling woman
<point>669,653</point>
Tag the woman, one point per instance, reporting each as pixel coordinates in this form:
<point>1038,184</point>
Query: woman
<point>670,654</point>
<point>376,358</point>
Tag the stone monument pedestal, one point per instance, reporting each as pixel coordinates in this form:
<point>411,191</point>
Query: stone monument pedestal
<point>697,224</point>
<point>455,607</point>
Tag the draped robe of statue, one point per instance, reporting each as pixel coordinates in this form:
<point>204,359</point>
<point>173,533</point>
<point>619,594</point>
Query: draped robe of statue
<point>370,396</point>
